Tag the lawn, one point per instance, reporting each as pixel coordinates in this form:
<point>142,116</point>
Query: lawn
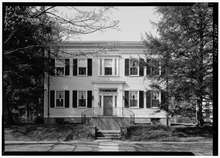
<point>163,133</point>
<point>68,132</point>
<point>60,132</point>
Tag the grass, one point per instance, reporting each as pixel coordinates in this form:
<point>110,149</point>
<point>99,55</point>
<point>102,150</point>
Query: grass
<point>65,132</point>
<point>163,133</point>
<point>68,132</point>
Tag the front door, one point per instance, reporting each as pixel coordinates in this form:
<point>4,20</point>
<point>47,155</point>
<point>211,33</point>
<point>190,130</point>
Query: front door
<point>108,109</point>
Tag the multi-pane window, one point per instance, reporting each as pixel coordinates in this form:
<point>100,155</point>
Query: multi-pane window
<point>82,66</point>
<point>60,98</point>
<point>155,99</point>
<point>133,67</point>
<point>133,95</point>
<point>108,66</point>
<point>82,98</point>
<point>60,67</point>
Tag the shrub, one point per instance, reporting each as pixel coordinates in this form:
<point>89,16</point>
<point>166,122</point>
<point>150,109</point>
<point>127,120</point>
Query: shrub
<point>148,132</point>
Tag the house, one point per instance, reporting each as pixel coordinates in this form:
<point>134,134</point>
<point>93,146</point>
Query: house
<point>102,79</point>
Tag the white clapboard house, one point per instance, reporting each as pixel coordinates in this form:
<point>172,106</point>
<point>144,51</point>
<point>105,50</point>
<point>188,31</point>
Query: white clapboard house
<point>102,79</point>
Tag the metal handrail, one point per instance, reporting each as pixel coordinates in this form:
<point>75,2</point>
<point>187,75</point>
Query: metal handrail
<point>84,114</point>
<point>132,114</point>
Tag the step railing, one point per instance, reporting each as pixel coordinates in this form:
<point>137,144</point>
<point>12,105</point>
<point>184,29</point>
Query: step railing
<point>86,114</point>
<point>126,113</point>
<point>98,111</point>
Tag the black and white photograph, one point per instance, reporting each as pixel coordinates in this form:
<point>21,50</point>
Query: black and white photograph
<point>91,78</point>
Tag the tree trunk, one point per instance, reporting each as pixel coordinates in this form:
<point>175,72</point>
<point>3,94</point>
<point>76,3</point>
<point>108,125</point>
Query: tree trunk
<point>199,113</point>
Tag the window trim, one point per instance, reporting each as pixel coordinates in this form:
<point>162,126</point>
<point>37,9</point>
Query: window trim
<point>155,107</point>
<point>81,107</point>
<point>114,67</point>
<point>134,107</point>
<point>59,107</point>
<point>138,67</point>
<point>64,67</point>
<point>82,67</point>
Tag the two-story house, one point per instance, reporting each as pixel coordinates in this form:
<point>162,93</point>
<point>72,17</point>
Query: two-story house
<point>102,79</point>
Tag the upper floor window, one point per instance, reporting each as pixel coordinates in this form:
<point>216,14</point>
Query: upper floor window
<point>153,67</point>
<point>133,67</point>
<point>108,66</point>
<point>59,67</point>
<point>59,98</point>
<point>82,66</point>
<point>133,96</point>
<point>82,98</point>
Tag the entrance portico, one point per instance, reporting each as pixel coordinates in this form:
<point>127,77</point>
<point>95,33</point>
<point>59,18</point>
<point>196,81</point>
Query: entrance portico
<point>108,98</point>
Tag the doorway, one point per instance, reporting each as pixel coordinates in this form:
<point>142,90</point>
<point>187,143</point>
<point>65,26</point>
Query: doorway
<point>108,106</point>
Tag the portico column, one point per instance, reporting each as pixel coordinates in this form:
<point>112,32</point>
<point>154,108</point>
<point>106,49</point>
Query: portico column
<point>120,101</point>
<point>96,100</point>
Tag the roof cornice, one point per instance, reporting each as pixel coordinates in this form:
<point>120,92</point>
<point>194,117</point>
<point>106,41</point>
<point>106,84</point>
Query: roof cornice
<point>101,44</point>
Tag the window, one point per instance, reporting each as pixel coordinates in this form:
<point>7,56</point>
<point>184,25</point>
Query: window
<point>82,66</point>
<point>82,98</point>
<point>59,98</point>
<point>108,66</point>
<point>155,99</point>
<point>60,67</point>
<point>134,67</point>
<point>133,95</point>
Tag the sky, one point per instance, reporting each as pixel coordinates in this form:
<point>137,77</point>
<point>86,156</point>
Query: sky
<point>133,23</point>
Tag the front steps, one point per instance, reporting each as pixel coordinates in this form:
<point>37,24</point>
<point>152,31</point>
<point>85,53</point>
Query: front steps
<point>110,127</point>
<point>108,134</point>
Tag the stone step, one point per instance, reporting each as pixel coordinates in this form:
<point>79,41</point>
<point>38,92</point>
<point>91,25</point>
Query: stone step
<point>107,138</point>
<point>110,131</point>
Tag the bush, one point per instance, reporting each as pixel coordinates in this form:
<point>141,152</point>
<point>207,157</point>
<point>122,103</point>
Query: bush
<point>39,120</point>
<point>148,132</point>
<point>60,120</point>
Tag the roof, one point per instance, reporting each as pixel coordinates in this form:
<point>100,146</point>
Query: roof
<point>102,44</point>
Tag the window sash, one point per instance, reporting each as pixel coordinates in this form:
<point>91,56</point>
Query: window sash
<point>60,98</point>
<point>82,102</point>
<point>155,99</point>
<point>108,67</point>
<point>82,67</point>
<point>133,102</point>
<point>59,67</point>
<point>133,67</point>
<point>108,70</point>
<point>82,71</point>
<point>60,71</point>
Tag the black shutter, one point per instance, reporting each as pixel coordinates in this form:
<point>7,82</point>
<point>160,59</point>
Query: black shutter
<point>52,67</point>
<point>126,101</point>
<point>141,99</point>
<point>126,67</point>
<point>89,63</point>
<point>52,98</point>
<point>74,99</point>
<point>74,67</point>
<point>141,67</point>
<point>67,67</point>
<point>67,99</point>
<point>148,99</point>
<point>89,99</point>
<point>148,67</point>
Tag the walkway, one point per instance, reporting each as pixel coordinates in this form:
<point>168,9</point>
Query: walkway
<point>198,148</point>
